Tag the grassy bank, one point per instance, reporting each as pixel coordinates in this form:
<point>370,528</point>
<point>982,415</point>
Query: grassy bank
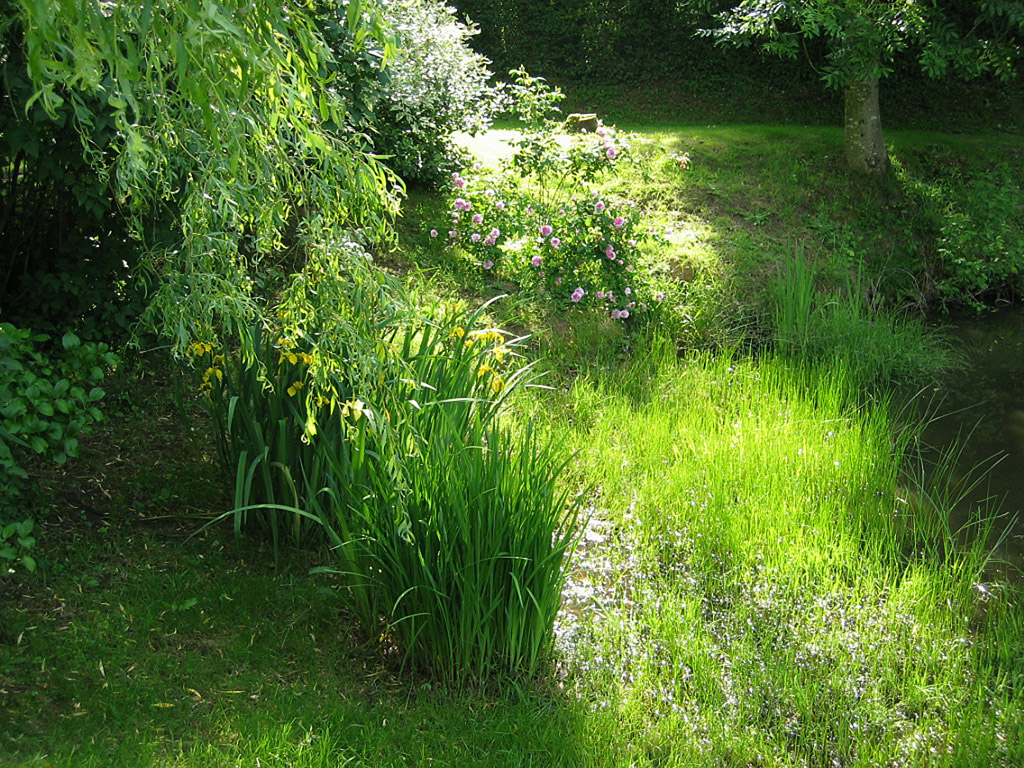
<point>765,578</point>
<point>944,232</point>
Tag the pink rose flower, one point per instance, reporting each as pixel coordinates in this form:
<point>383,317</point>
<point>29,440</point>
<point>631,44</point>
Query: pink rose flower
<point>555,242</point>
<point>475,237</point>
<point>478,218</point>
<point>619,221</point>
<point>433,233</point>
<point>598,206</point>
<point>487,264</point>
<point>536,261</point>
<point>545,230</point>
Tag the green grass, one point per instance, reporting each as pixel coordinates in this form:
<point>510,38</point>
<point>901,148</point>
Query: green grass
<point>755,593</point>
<point>161,652</point>
<point>749,591</point>
<point>767,576</point>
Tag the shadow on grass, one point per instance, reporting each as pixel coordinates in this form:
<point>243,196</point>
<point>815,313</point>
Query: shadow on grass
<point>145,651</point>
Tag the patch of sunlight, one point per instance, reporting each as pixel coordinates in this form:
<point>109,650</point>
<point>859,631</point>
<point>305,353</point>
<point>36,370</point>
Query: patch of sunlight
<point>494,146</point>
<point>691,238</point>
<point>489,148</point>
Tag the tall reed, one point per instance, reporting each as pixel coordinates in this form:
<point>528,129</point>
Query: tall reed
<point>450,530</point>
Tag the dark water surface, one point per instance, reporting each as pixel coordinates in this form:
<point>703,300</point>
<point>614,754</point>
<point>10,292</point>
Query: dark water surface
<point>981,409</point>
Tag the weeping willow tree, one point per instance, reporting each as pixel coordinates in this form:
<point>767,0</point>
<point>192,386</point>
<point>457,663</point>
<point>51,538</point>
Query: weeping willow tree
<point>232,155</point>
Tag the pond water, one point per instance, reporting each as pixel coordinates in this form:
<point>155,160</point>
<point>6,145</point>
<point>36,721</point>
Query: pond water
<point>981,409</point>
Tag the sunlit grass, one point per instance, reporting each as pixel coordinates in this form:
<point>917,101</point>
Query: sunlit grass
<point>754,591</point>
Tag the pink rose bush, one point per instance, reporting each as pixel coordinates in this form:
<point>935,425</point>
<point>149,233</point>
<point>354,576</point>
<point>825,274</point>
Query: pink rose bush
<point>579,249</point>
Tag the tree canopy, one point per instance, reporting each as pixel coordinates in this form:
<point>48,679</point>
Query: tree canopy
<point>232,151</point>
<point>863,39</point>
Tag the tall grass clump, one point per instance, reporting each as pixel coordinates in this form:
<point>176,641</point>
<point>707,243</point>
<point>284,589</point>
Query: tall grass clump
<point>448,527</point>
<point>758,594</point>
<point>870,344</point>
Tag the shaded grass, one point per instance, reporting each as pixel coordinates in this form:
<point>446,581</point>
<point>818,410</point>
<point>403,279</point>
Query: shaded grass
<point>164,652</point>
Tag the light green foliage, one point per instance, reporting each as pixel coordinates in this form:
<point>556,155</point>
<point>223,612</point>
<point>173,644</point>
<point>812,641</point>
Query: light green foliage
<point>434,86</point>
<point>228,126</point>
<point>864,37</point>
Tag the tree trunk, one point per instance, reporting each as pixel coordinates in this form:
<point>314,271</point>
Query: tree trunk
<point>865,150</point>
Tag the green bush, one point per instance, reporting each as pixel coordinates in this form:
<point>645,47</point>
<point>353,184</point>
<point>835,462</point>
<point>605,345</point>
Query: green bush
<point>47,401</point>
<point>536,223</point>
<point>378,432</point>
<point>410,105</point>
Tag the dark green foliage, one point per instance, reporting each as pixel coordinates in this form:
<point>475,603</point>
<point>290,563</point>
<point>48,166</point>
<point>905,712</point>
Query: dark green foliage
<point>863,39</point>
<point>67,258</point>
<point>597,40</point>
<point>46,399</point>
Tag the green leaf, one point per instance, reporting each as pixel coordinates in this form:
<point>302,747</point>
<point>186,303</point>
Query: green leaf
<point>71,341</point>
